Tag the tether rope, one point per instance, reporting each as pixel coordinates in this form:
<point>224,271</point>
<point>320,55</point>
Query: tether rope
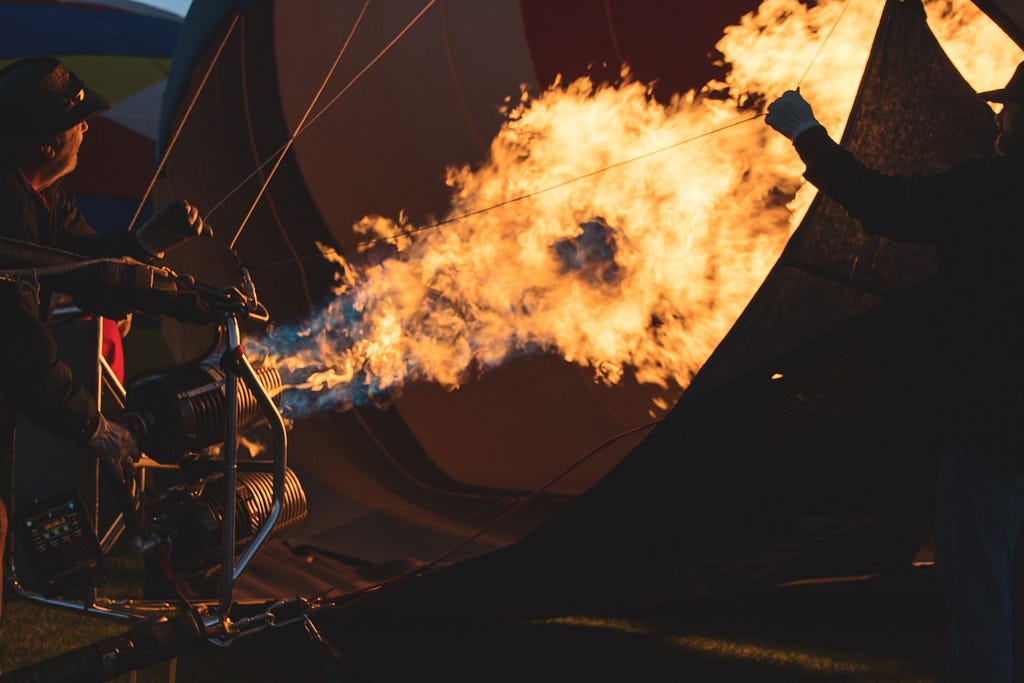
<point>330,104</point>
<point>519,198</point>
<point>570,181</point>
<point>354,596</point>
<point>357,595</point>
<point>305,124</point>
<point>291,140</point>
<point>184,118</point>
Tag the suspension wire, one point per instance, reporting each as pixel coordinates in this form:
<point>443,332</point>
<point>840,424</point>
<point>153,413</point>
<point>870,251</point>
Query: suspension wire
<point>184,118</point>
<point>355,596</point>
<point>242,184</point>
<point>446,532</point>
<point>351,598</point>
<point>518,198</point>
<point>291,140</point>
<point>517,500</point>
<point>823,43</point>
<point>513,200</point>
<point>380,55</point>
<point>544,487</point>
<point>625,162</point>
<point>286,239</point>
<point>556,186</point>
<point>280,150</point>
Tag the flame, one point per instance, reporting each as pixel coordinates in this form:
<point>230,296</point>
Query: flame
<point>985,56</point>
<point>604,226</point>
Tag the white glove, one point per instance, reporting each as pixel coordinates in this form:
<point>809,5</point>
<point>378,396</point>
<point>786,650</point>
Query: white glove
<point>171,225</point>
<point>791,115</point>
<point>116,448</point>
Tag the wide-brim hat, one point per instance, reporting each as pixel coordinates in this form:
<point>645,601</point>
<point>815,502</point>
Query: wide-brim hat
<point>39,96</point>
<point>1013,92</point>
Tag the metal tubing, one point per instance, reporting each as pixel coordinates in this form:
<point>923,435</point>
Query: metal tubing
<point>117,390</point>
<point>113,533</point>
<point>280,461</point>
<point>241,369</point>
<point>276,615</point>
<point>229,453</point>
<point>76,605</point>
<point>94,461</point>
<point>110,380</point>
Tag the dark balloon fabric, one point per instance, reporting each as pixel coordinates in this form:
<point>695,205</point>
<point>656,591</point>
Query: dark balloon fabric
<point>394,486</point>
<point>826,469</point>
<point>807,445</point>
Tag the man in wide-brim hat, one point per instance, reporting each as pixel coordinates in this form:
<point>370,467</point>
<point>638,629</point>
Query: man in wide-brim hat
<point>44,115</point>
<point>43,108</point>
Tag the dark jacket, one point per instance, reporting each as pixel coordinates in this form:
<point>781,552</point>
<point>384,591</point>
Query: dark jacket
<point>32,378</point>
<point>974,214</point>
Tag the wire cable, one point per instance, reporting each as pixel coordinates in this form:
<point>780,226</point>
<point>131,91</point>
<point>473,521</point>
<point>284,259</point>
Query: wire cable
<point>351,598</point>
<point>184,118</point>
<point>380,55</point>
<point>824,42</point>
<point>512,200</point>
<point>624,162</point>
<point>291,140</point>
<point>541,489</point>
<point>518,198</point>
<point>330,104</point>
<point>355,596</point>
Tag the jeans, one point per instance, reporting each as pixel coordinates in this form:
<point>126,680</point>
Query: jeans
<point>979,514</point>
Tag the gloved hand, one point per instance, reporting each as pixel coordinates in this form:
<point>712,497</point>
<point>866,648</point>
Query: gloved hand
<point>791,115</point>
<point>171,225</point>
<point>117,450</point>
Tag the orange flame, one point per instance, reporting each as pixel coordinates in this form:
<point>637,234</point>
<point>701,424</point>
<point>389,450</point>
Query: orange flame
<point>604,227</point>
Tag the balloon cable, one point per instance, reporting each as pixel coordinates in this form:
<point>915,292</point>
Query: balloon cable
<point>570,181</point>
<point>283,148</point>
<point>184,118</point>
<point>380,55</point>
<point>625,162</point>
<point>824,42</point>
<point>287,146</point>
<point>354,596</point>
<point>518,198</point>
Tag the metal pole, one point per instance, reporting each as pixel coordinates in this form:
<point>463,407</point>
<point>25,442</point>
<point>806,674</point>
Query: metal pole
<point>276,422</point>
<point>94,461</point>
<point>229,454</point>
<point>111,382</point>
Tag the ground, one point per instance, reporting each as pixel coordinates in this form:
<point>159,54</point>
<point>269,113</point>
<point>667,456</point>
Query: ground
<point>883,630</point>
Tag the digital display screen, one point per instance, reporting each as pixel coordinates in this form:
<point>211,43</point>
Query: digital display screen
<point>61,543</point>
<point>52,528</point>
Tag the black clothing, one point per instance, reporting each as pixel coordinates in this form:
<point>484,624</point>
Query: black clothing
<point>52,218</point>
<point>33,380</point>
<point>973,214</point>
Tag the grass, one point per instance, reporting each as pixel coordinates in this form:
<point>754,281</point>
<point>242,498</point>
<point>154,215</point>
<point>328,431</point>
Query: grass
<point>886,631</point>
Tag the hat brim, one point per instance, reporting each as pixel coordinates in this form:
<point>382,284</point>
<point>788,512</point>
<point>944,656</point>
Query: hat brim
<point>91,104</point>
